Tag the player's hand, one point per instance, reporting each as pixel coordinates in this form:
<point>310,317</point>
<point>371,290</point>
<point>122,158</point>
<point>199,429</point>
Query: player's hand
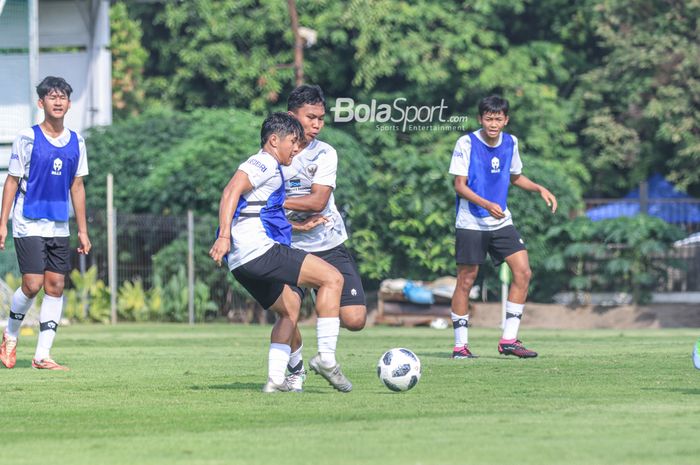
<point>3,236</point>
<point>221,247</point>
<point>310,223</point>
<point>495,210</point>
<point>85,244</point>
<point>549,198</point>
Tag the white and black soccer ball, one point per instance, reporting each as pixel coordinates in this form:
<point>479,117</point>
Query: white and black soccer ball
<point>399,369</point>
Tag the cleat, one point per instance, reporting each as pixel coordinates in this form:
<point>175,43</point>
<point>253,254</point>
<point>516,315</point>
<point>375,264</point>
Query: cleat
<point>696,355</point>
<point>463,352</point>
<point>515,348</point>
<point>333,375</point>
<point>271,387</point>
<point>8,350</point>
<point>296,379</point>
<point>48,364</point>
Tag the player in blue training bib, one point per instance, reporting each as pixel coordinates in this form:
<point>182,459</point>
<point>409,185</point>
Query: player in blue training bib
<point>319,227</point>
<point>46,171</point>
<point>254,236</point>
<point>485,163</point>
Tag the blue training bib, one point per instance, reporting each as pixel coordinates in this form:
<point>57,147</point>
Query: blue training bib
<point>51,173</point>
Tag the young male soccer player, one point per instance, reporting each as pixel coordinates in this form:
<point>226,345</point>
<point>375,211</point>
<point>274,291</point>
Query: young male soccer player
<point>484,163</point>
<point>47,163</point>
<point>309,184</point>
<point>255,237</point>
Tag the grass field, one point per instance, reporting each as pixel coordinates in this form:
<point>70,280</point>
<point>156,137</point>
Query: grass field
<point>169,394</point>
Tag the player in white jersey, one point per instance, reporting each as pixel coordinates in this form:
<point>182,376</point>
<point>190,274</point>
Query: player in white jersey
<point>255,236</point>
<point>484,164</point>
<point>47,166</point>
<point>309,183</point>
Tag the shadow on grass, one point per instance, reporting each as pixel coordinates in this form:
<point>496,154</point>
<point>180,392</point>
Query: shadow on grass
<point>687,391</point>
<point>448,356</point>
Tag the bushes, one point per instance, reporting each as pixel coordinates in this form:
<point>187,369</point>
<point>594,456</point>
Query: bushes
<point>622,254</point>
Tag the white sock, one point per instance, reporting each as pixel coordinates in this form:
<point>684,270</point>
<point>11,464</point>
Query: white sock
<point>19,307</point>
<point>327,330</point>
<point>460,323</point>
<point>513,314</point>
<point>295,360</point>
<point>49,317</point>
<point>278,358</point>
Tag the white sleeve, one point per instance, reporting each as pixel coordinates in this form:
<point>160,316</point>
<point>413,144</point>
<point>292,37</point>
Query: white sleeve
<point>259,169</point>
<point>82,159</point>
<point>516,165</point>
<point>459,166</point>
<point>21,152</point>
<point>327,169</point>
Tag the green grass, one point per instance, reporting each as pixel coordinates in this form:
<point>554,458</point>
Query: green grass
<point>169,394</point>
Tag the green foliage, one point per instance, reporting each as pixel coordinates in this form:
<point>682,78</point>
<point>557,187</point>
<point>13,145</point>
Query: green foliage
<point>173,295</point>
<point>128,59</point>
<point>87,293</point>
<point>640,107</point>
<point>624,254</point>
<point>533,218</point>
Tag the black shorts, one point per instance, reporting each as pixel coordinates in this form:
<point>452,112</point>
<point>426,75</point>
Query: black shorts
<point>471,245</point>
<point>36,254</point>
<point>264,277</point>
<point>340,258</point>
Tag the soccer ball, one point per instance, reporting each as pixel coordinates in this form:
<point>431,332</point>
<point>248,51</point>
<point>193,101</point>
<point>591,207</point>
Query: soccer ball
<point>399,369</point>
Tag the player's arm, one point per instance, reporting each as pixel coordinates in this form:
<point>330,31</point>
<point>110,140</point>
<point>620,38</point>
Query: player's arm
<point>309,223</point>
<point>77,195</point>
<point>314,202</point>
<point>526,184</point>
<point>238,185</point>
<point>8,196</point>
<point>466,193</point>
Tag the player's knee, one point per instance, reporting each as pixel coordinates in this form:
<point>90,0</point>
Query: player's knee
<point>334,280</point>
<point>465,281</point>
<point>354,322</point>
<point>31,288</point>
<point>522,276</point>
<point>54,288</point>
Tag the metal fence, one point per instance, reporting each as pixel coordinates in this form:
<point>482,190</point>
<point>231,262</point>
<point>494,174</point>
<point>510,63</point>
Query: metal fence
<point>682,261</point>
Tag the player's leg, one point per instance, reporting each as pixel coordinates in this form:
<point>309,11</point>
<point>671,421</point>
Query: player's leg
<point>295,365</point>
<point>287,306</point>
<point>57,266</point>
<point>470,253</point>
<point>31,256</point>
<point>509,246</point>
<point>466,275</point>
<point>353,303</point>
<point>328,281</point>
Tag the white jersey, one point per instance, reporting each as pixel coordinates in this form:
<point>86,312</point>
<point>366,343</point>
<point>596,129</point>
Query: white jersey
<point>20,163</point>
<point>316,164</point>
<point>460,167</point>
<point>249,239</point>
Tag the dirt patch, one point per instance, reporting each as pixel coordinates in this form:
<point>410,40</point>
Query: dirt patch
<point>589,317</point>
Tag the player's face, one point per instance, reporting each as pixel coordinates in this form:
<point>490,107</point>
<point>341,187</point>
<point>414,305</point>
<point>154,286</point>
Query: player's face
<point>311,119</point>
<point>493,123</point>
<point>287,147</point>
<point>55,104</point>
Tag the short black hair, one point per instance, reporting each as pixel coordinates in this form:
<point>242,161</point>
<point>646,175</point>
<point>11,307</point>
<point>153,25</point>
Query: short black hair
<point>303,95</point>
<point>493,104</point>
<point>281,124</point>
<point>51,83</point>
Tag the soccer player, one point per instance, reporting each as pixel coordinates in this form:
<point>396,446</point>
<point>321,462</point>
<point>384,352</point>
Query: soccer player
<point>309,184</point>
<point>255,236</point>
<point>47,164</point>
<point>485,163</point>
